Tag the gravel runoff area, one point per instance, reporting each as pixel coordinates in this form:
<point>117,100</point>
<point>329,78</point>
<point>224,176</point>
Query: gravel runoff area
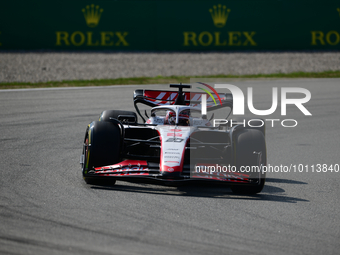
<point>58,66</point>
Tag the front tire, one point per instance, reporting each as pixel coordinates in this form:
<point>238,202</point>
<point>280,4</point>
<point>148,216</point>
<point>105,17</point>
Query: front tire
<point>258,124</point>
<point>250,150</point>
<point>102,147</point>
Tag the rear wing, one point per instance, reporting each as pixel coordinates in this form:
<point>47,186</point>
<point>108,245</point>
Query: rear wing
<point>155,98</point>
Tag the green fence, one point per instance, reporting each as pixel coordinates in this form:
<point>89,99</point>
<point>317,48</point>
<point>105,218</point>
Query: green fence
<point>170,25</point>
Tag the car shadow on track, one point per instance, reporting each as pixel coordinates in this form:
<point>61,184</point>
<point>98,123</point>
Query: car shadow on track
<point>284,181</point>
<point>269,192</point>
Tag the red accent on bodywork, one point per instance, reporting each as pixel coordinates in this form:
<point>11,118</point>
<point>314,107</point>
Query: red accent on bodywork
<point>228,176</point>
<point>126,167</point>
<point>160,97</point>
<point>124,164</point>
<point>171,169</point>
<point>174,134</point>
<point>161,154</point>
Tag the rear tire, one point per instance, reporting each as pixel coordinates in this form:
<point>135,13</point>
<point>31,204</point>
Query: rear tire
<point>246,142</point>
<point>106,115</point>
<point>102,146</point>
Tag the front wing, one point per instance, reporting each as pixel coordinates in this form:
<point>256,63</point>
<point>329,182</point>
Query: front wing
<point>129,170</point>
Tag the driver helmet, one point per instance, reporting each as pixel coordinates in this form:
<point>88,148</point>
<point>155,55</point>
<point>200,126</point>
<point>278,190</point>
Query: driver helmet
<point>183,118</point>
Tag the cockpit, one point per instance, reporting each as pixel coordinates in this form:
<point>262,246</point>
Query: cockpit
<point>180,116</point>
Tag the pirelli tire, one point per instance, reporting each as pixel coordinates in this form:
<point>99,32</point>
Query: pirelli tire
<point>108,114</point>
<point>102,146</point>
<point>250,150</point>
<point>258,124</point>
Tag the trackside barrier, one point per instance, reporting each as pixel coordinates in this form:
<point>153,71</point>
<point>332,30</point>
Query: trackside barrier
<point>170,25</point>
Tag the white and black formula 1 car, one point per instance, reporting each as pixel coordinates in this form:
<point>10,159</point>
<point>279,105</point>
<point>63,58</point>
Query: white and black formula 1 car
<point>175,144</point>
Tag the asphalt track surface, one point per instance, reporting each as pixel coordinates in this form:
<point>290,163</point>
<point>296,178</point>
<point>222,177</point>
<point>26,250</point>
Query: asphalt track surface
<point>46,208</point>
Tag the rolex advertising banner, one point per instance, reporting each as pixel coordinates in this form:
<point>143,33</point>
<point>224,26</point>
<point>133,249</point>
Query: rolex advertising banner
<point>170,25</point>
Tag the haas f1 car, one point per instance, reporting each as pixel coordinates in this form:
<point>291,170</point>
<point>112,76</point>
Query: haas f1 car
<point>175,144</point>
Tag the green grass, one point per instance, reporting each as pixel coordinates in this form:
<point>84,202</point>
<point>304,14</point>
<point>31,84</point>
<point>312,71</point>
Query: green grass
<point>159,80</point>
